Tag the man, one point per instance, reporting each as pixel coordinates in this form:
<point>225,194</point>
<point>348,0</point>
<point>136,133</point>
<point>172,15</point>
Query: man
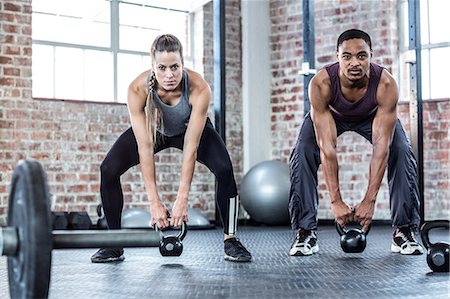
<point>357,95</point>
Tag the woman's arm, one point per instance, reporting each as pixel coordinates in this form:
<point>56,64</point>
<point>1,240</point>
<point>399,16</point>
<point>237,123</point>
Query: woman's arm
<point>200,97</point>
<point>137,96</point>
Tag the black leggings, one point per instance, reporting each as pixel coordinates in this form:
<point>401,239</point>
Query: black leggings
<point>211,152</point>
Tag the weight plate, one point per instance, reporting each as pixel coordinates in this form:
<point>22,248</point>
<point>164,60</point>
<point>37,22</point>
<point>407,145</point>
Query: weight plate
<point>29,213</point>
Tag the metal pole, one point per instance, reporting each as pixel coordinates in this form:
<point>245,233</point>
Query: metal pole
<point>415,105</point>
<point>106,238</point>
<point>115,44</point>
<point>308,66</point>
<point>219,75</point>
<point>219,67</point>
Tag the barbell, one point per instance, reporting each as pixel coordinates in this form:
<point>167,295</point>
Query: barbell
<point>28,239</point>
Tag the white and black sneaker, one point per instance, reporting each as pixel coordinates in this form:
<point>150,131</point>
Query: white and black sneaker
<point>403,242</point>
<point>305,243</point>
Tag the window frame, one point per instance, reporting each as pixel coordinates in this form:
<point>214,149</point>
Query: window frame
<point>115,49</point>
<point>426,47</point>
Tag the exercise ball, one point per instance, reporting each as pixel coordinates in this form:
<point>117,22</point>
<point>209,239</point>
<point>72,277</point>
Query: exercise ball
<point>264,193</point>
<point>196,220</point>
<point>139,218</point>
<point>135,218</point>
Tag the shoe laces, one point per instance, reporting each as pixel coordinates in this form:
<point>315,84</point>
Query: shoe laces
<point>235,242</point>
<point>406,233</point>
<point>303,236</point>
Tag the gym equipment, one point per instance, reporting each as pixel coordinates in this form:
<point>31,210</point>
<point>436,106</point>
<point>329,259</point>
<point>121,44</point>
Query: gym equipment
<point>59,220</point>
<point>101,222</point>
<point>28,238</point>
<point>135,218</point>
<point>264,192</point>
<point>79,220</point>
<point>171,245</point>
<point>197,220</point>
<point>140,218</point>
<point>438,253</point>
<point>353,239</point>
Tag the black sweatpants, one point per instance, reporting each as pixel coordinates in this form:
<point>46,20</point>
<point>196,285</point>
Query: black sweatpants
<point>211,152</point>
<point>305,160</point>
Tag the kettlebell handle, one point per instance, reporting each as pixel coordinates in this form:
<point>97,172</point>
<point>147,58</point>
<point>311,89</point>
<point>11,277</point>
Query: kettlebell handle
<point>342,231</point>
<point>182,233</point>
<point>427,226</point>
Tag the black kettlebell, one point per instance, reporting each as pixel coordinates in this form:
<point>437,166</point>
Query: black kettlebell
<point>172,245</point>
<point>353,239</point>
<point>437,256</point>
<point>101,222</point>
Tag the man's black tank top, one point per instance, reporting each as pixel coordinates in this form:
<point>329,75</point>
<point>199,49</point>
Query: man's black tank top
<point>365,107</point>
<point>175,118</point>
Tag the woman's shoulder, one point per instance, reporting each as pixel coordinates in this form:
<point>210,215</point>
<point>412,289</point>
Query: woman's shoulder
<point>141,81</point>
<point>196,81</point>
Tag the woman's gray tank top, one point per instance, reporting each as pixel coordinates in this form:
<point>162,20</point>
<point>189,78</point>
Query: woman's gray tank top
<point>175,118</point>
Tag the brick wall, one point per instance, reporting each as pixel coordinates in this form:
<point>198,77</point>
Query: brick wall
<point>380,20</point>
<point>71,139</point>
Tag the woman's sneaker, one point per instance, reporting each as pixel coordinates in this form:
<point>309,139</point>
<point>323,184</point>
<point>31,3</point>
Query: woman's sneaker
<point>403,242</point>
<point>108,255</point>
<point>235,251</point>
<point>305,243</point>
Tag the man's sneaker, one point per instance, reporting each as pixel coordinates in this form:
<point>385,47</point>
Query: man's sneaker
<point>235,251</point>
<point>305,243</point>
<point>403,242</point>
<point>108,255</point>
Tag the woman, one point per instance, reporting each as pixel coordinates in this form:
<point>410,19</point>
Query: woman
<point>168,108</point>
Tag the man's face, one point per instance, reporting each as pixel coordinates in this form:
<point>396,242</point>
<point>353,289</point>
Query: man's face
<point>354,59</point>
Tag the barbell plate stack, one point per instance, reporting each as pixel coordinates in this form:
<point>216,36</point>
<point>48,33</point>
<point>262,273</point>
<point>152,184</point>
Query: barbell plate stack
<point>102,238</point>
<point>8,241</point>
<point>29,214</point>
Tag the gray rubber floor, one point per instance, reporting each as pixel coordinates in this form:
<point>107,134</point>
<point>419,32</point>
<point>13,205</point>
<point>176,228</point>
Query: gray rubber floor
<point>201,272</point>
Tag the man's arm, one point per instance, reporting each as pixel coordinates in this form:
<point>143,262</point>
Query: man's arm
<point>383,128</point>
<point>326,136</point>
<point>200,97</point>
<point>137,95</point>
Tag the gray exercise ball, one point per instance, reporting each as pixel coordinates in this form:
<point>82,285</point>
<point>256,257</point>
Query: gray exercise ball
<point>135,218</point>
<point>197,220</point>
<point>264,192</point>
<point>140,218</point>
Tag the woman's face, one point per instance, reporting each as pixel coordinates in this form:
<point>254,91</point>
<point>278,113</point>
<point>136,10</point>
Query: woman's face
<point>168,68</point>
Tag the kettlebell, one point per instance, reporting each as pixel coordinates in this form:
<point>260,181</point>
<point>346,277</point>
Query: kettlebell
<point>353,239</point>
<point>172,245</point>
<point>437,256</point>
<point>101,222</point>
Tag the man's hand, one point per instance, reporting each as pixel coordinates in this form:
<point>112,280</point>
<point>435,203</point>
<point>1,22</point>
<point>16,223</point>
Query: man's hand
<point>159,213</point>
<point>364,213</point>
<point>342,213</point>
<point>179,211</point>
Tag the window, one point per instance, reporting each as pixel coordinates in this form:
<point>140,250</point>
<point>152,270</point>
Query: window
<point>92,49</point>
<point>435,40</point>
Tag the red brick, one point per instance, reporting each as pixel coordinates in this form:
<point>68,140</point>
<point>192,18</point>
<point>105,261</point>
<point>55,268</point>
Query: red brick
<point>11,7</point>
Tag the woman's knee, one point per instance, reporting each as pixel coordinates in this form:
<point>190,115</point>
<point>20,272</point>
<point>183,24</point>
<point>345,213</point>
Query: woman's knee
<point>224,172</point>
<point>108,171</point>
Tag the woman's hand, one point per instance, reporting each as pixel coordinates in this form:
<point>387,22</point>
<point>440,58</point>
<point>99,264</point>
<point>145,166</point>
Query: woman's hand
<point>159,213</point>
<point>179,211</point>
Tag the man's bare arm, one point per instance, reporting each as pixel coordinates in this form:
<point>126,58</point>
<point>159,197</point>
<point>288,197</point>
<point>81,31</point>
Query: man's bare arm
<point>326,136</point>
